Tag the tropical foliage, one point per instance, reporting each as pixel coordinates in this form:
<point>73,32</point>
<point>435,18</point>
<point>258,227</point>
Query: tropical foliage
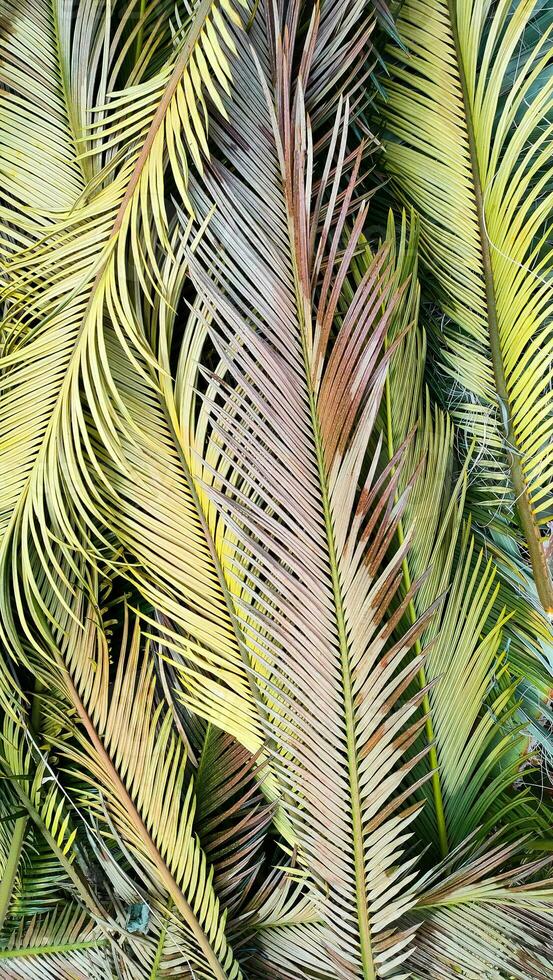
<point>276,489</point>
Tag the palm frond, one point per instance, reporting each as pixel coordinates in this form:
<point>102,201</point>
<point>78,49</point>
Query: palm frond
<point>473,711</point>
<point>274,635</point>
<point>73,278</point>
<point>291,420</point>
<point>128,752</point>
<point>290,937</point>
<point>485,921</point>
<point>469,146</point>
<point>64,945</point>
<point>343,58</point>
<point>232,817</point>
<point>39,849</point>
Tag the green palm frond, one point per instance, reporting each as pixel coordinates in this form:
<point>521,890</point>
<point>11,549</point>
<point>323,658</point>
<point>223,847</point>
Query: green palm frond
<point>31,873</point>
<point>44,856</point>
<point>467,113</point>
<point>38,835</point>
<point>473,710</point>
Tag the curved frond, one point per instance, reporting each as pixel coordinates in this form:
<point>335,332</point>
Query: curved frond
<point>472,704</point>
<point>127,750</point>
<point>484,921</point>
<point>77,278</point>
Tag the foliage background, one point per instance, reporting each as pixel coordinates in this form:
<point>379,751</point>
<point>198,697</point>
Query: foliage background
<point>276,479</point>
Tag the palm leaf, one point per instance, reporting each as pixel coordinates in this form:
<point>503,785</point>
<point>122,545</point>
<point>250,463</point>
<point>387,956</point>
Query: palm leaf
<point>312,600</point>
<point>483,920</point>
<point>473,158</point>
<point>128,750</point>
<point>290,937</point>
<point>472,705</point>
<point>62,946</point>
<point>38,835</point>
<point>301,754</point>
<point>74,276</point>
<point>232,817</point>
<point>343,57</point>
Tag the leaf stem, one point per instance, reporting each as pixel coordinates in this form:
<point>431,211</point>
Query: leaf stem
<point>154,975</point>
<point>54,949</point>
<point>10,869</point>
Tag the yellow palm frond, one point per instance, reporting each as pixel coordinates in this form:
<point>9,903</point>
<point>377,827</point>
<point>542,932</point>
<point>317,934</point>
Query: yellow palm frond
<point>468,114</point>
<point>68,294</point>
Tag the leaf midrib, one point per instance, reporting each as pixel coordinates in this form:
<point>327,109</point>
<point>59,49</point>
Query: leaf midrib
<point>365,942</point>
<point>51,950</point>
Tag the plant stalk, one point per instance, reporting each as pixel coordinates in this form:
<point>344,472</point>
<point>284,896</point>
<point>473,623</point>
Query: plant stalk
<point>16,844</point>
<point>10,870</point>
<point>53,950</point>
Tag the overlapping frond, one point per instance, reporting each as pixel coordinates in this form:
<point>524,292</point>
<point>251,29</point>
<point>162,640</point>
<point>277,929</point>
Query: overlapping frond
<point>484,920</point>
<point>232,818</point>
<point>301,754</point>
<point>125,747</point>
<point>473,700</point>
<point>38,854</point>
<point>342,57</point>
<point>77,298</point>
<point>149,502</point>
<point>291,937</point>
